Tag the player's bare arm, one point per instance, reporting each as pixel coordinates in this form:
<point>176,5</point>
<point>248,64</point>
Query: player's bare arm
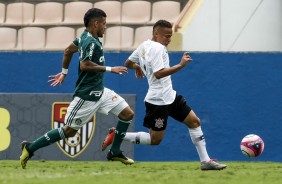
<point>169,71</point>
<point>138,71</point>
<point>60,77</point>
<point>68,53</point>
<point>88,65</point>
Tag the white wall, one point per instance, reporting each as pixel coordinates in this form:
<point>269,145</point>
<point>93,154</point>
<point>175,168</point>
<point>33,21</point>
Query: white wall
<point>235,25</point>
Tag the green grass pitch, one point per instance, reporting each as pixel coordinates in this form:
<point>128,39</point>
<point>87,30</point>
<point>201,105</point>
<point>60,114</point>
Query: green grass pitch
<point>82,172</point>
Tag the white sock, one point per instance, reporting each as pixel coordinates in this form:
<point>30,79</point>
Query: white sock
<point>138,137</point>
<point>198,139</point>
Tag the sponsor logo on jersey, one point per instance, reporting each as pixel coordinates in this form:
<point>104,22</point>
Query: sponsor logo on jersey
<point>72,146</point>
<point>102,58</point>
<point>92,46</point>
<point>96,93</point>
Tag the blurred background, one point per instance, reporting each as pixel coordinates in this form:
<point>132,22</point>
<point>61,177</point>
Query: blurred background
<point>234,83</point>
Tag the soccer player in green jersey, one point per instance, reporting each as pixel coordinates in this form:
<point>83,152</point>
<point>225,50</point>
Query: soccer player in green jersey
<point>90,95</point>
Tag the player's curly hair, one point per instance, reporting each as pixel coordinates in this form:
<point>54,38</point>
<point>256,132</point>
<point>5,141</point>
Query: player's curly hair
<point>162,24</point>
<point>92,14</point>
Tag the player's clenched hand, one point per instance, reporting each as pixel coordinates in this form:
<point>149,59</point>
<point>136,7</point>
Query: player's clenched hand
<point>57,79</point>
<point>121,70</point>
<point>185,59</point>
<point>139,73</point>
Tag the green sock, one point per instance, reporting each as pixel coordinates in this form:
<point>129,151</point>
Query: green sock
<point>47,139</point>
<point>120,132</point>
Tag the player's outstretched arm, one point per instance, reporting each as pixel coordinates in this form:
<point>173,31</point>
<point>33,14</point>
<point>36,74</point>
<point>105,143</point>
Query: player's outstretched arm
<point>88,65</point>
<point>60,77</point>
<point>132,65</point>
<point>169,71</point>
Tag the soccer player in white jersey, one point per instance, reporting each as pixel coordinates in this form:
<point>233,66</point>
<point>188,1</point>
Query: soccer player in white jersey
<point>151,59</point>
<point>90,95</point>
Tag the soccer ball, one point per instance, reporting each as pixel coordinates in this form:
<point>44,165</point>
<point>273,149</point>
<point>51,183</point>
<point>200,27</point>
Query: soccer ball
<point>252,145</point>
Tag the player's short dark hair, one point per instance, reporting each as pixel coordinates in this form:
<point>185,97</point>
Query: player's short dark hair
<point>162,24</point>
<point>92,14</point>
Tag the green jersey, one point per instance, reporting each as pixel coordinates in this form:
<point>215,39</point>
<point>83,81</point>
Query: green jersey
<point>89,85</point>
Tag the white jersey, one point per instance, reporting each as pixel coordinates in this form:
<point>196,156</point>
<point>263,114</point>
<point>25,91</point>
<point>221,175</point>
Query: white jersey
<point>152,57</point>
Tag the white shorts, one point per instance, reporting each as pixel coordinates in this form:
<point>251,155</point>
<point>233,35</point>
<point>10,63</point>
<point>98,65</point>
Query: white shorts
<point>80,111</point>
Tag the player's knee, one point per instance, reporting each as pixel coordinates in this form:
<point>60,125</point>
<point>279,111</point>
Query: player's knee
<point>194,123</point>
<point>197,122</point>
<point>127,114</point>
<point>130,114</point>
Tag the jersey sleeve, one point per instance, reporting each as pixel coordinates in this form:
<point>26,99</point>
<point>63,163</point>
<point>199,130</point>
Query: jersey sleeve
<point>75,41</point>
<point>134,57</point>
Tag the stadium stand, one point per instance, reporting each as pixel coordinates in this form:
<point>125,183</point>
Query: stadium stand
<point>31,38</point>
<point>73,14</point>
<point>113,10</point>
<point>19,14</point>
<point>58,38</point>
<point>8,37</point>
<point>168,10</point>
<point>136,12</point>
<point>119,38</point>
<point>142,33</point>
<point>48,13</point>
<point>134,16</point>
<point>2,13</point>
